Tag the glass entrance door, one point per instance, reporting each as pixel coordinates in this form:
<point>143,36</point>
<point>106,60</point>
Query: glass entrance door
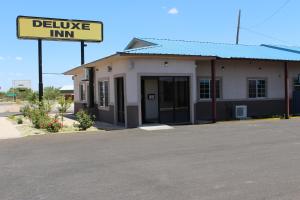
<point>174,100</point>
<point>166,99</point>
<point>182,100</point>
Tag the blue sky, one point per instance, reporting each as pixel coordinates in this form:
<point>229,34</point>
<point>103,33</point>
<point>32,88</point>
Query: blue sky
<point>263,21</point>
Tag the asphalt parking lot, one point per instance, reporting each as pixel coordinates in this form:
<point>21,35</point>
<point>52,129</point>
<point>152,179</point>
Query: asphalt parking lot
<point>234,160</point>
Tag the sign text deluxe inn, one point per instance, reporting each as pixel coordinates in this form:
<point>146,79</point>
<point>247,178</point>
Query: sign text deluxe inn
<point>59,29</point>
<point>40,28</point>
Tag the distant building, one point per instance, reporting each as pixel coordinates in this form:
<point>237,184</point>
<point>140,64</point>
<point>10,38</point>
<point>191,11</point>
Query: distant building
<point>21,84</point>
<point>175,82</point>
<point>67,91</point>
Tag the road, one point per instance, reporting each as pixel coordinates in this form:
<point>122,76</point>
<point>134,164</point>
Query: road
<point>230,161</point>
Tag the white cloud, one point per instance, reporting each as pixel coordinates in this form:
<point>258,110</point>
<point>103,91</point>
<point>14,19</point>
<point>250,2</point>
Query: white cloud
<point>173,11</point>
<point>19,58</point>
<point>1,58</point>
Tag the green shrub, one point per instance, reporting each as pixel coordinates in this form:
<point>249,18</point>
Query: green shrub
<point>37,112</point>
<point>54,125</point>
<point>19,120</point>
<point>39,118</point>
<point>85,120</point>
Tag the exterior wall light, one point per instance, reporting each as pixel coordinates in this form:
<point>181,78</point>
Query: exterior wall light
<point>166,63</point>
<point>132,64</point>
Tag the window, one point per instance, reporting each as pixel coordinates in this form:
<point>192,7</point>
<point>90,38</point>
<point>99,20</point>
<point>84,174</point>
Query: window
<point>297,84</point>
<point>257,88</point>
<point>205,88</point>
<point>103,93</point>
<point>82,92</point>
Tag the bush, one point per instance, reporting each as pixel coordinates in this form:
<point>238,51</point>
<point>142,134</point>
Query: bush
<point>25,110</point>
<point>19,120</point>
<point>51,93</point>
<point>84,119</point>
<point>39,118</point>
<point>54,125</point>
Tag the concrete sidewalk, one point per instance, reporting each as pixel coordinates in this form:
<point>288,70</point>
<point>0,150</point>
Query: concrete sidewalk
<point>8,130</point>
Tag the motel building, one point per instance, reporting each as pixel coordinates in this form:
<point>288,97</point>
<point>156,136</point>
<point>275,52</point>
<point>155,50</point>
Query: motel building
<point>189,82</point>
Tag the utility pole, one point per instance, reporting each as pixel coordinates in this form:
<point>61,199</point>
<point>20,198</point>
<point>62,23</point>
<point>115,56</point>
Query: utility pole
<point>238,28</point>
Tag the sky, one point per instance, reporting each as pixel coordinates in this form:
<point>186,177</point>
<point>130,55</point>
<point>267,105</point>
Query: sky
<point>262,21</point>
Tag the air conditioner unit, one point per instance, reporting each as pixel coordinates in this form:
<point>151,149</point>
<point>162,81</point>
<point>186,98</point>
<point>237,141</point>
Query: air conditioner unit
<point>241,112</point>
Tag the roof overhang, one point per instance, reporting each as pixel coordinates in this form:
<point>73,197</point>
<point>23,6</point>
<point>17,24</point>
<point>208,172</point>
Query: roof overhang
<point>167,56</point>
<point>122,55</point>
<point>75,70</point>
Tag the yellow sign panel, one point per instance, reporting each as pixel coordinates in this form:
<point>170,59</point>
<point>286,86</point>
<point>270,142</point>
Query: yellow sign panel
<point>59,29</point>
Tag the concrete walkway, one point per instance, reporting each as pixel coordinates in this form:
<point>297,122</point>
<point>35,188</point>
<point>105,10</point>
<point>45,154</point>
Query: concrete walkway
<point>8,130</point>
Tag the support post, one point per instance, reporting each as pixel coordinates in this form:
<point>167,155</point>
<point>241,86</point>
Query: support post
<point>213,92</point>
<point>40,60</point>
<point>286,91</point>
<point>82,52</point>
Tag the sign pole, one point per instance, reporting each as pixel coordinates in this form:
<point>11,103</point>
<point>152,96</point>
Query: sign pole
<point>40,59</point>
<point>82,52</point>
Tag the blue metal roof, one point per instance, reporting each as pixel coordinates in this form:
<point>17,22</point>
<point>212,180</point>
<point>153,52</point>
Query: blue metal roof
<point>195,48</point>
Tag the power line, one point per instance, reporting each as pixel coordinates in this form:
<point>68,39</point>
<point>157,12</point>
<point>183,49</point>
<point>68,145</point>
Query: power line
<point>285,3</point>
<point>265,35</point>
<point>54,73</point>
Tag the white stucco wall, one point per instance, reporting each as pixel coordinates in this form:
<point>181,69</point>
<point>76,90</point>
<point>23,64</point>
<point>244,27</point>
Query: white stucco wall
<point>77,80</point>
<point>234,75</point>
<point>156,67</point>
<point>119,68</point>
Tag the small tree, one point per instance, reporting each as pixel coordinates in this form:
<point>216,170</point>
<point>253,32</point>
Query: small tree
<point>33,98</point>
<point>63,105</point>
<point>51,93</point>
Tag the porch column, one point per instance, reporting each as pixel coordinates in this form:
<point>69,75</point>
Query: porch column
<point>286,91</point>
<point>213,92</point>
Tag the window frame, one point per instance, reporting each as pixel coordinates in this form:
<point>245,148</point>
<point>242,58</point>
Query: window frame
<point>105,97</point>
<point>84,89</point>
<point>256,88</point>
<point>295,85</point>
<point>209,79</point>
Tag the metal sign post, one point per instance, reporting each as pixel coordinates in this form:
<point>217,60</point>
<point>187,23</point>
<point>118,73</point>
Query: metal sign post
<point>82,51</point>
<point>40,60</point>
